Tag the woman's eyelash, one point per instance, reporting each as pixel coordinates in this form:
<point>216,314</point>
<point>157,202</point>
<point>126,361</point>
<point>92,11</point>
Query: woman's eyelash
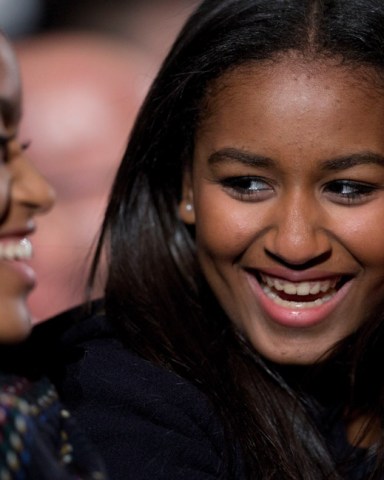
<point>246,183</point>
<point>247,188</point>
<point>344,192</point>
<point>349,190</point>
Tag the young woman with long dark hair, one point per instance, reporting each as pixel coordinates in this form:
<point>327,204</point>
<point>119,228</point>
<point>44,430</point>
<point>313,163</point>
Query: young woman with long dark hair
<point>241,333</point>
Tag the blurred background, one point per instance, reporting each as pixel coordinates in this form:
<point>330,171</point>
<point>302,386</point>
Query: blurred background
<point>86,67</point>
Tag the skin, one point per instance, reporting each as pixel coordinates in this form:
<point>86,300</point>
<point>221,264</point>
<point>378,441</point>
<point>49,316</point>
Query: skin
<point>23,194</point>
<point>291,210</point>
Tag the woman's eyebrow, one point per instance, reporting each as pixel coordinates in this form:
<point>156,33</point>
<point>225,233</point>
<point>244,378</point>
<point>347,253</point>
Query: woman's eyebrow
<point>233,155</point>
<point>348,161</point>
<point>343,162</point>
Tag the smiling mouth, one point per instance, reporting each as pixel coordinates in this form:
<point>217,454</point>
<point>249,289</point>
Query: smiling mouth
<point>300,295</point>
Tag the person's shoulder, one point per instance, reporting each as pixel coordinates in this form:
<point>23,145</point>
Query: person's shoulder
<point>84,356</point>
<point>108,367</point>
<point>85,341</point>
<point>127,403</point>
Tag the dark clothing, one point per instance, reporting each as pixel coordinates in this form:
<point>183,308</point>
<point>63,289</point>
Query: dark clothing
<point>148,422</point>
<point>39,438</point>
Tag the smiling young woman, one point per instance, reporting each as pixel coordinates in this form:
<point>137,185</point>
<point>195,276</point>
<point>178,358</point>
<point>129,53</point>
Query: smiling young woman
<point>242,335</point>
<point>23,194</point>
<point>39,439</point>
<point>287,189</point>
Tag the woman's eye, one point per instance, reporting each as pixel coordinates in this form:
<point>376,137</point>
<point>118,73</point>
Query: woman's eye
<point>247,188</point>
<point>350,192</point>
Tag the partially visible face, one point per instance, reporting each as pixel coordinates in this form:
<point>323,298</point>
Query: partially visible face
<point>287,199</point>
<point>23,194</point>
<point>81,96</point>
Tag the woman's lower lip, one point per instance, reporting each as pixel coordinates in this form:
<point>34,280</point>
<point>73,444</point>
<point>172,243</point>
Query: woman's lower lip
<point>300,317</point>
<point>22,270</point>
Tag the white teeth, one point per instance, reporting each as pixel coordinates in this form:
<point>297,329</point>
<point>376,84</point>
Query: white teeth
<point>299,288</point>
<point>274,285</point>
<point>326,286</point>
<point>295,305</point>
<point>16,250</point>
<point>290,288</point>
<point>303,288</point>
<point>315,289</point>
<point>279,285</point>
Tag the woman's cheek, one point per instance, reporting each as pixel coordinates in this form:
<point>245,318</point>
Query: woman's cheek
<point>361,231</point>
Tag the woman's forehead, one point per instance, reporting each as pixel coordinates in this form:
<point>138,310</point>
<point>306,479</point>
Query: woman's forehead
<point>281,73</point>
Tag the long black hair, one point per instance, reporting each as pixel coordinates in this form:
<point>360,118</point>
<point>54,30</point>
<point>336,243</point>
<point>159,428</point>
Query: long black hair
<point>155,293</point>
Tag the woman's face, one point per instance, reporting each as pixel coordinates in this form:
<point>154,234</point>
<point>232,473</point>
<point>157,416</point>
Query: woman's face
<point>286,194</point>
<point>23,194</point>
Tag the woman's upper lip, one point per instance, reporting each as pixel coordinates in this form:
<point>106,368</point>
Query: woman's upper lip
<point>17,232</point>
<point>304,276</point>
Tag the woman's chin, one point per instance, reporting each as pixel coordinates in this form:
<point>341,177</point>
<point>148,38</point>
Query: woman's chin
<point>15,322</point>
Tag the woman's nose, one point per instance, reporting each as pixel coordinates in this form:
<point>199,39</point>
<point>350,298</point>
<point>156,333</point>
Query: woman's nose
<point>29,188</point>
<point>298,235</point>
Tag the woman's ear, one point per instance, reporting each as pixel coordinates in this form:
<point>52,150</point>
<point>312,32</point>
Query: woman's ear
<point>186,206</point>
